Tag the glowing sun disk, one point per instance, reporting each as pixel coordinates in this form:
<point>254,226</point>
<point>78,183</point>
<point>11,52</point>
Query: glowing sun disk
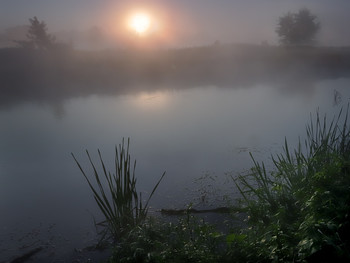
<point>140,23</point>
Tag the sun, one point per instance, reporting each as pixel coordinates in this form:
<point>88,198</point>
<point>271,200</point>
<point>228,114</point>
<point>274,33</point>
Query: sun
<point>140,23</point>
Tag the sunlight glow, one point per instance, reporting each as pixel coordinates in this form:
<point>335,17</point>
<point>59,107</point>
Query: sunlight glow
<point>140,23</point>
<point>153,101</point>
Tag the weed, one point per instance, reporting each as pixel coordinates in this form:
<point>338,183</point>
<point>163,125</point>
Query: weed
<point>119,201</point>
<point>301,209</point>
<point>190,239</point>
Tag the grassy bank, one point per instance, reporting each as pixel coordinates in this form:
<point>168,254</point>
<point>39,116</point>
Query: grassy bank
<point>297,212</point>
<point>301,210</point>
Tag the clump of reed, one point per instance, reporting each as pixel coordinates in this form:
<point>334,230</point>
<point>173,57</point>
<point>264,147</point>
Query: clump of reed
<point>301,210</point>
<point>116,194</point>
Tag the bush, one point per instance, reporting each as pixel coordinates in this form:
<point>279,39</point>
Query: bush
<point>300,211</point>
<point>298,28</point>
<point>189,240</point>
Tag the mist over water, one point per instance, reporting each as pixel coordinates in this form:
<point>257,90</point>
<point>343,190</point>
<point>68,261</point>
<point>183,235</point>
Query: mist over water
<point>194,113</point>
<point>193,104</point>
<point>190,133</point>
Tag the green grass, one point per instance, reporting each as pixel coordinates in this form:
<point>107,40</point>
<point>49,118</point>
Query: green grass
<point>188,240</point>
<point>116,194</point>
<point>298,212</point>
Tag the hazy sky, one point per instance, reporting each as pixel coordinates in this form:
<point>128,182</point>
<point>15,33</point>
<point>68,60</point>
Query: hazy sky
<point>183,22</point>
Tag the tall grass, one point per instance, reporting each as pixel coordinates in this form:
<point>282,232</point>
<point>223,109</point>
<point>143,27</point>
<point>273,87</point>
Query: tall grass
<point>300,210</point>
<point>116,194</point>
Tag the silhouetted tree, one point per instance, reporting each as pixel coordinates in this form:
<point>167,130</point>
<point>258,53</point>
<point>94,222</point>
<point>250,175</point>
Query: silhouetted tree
<point>298,28</point>
<point>38,36</point>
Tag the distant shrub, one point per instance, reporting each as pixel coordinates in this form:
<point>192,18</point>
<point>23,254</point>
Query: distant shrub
<point>298,28</point>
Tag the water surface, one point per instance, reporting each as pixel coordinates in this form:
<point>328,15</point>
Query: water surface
<point>197,132</point>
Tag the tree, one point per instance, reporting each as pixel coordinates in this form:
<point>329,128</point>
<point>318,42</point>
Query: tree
<point>298,28</point>
<point>38,36</point>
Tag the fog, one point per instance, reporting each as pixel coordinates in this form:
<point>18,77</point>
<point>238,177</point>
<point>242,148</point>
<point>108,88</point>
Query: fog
<point>207,83</point>
<point>52,78</point>
<point>187,23</point>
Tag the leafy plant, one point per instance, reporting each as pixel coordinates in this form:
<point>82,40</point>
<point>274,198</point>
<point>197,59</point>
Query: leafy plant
<point>190,239</point>
<point>116,194</point>
<point>300,211</point>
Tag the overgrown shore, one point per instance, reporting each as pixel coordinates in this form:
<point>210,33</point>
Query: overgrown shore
<point>297,212</point>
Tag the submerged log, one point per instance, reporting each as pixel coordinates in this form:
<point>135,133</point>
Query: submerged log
<point>26,256</point>
<point>195,211</point>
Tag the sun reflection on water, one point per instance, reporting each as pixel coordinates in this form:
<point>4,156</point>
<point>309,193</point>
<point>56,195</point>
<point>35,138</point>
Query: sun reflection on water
<point>152,100</point>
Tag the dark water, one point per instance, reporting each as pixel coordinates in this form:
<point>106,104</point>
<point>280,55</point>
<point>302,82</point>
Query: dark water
<point>197,135</point>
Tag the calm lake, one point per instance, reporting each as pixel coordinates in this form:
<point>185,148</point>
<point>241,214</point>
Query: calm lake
<point>198,135</point>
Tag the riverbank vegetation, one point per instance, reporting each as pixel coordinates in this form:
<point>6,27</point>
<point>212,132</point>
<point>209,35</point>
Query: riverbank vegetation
<point>297,212</point>
<point>301,210</point>
<point>115,193</point>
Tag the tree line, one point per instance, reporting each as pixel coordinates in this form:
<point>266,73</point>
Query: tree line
<point>293,29</point>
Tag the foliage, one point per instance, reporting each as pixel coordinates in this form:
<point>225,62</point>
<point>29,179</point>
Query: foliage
<point>37,35</point>
<point>301,210</point>
<point>119,202</point>
<point>190,239</point>
<point>298,28</point>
